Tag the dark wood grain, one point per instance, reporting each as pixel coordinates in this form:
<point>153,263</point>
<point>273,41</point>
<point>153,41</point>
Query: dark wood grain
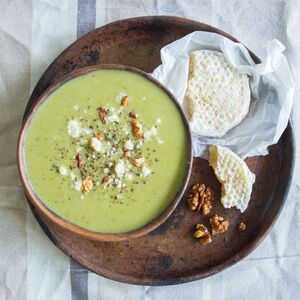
<point>169,254</point>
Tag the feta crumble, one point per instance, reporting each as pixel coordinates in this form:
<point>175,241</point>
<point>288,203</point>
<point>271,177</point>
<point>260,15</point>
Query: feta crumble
<point>77,185</point>
<point>150,133</point>
<point>63,171</point>
<point>113,118</point>
<point>129,145</point>
<point>159,140</point>
<point>74,129</point>
<point>76,107</point>
<point>87,131</point>
<point>96,144</point>
<point>120,168</point>
<point>146,171</point>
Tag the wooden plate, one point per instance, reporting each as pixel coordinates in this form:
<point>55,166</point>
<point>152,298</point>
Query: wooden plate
<point>170,254</point>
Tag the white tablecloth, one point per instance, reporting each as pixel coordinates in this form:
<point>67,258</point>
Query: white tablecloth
<point>32,34</point>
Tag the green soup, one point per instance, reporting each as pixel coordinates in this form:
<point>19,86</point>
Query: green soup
<point>107,151</point>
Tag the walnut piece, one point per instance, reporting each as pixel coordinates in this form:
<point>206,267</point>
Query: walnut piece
<point>124,101</point>
<point>102,112</point>
<point>242,226</point>
<point>87,185</point>
<point>202,234</point>
<point>132,115</point>
<point>137,130</point>
<point>218,224</point>
<point>98,136</point>
<point>78,161</point>
<point>201,198</point>
<point>138,162</point>
<point>205,239</point>
<point>126,152</point>
<point>106,180</point>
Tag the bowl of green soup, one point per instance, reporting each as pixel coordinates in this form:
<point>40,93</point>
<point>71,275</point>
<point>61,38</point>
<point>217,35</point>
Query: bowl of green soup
<point>105,153</point>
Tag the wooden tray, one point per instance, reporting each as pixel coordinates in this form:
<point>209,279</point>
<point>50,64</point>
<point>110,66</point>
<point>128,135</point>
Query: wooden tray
<point>170,254</point>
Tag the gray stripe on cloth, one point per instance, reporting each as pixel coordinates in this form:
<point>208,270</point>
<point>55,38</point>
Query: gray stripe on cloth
<point>86,21</point>
<point>79,281</point>
<point>86,16</point>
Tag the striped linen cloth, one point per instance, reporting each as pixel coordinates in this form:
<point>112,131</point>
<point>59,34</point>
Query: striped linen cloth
<point>32,34</point>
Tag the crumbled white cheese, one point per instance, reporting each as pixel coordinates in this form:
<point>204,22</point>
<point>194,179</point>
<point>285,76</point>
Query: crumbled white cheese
<point>139,144</point>
<point>76,107</point>
<point>82,197</point>
<point>158,121</point>
<point>113,118</point>
<point>96,144</point>
<point>86,131</point>
<point>146,171</point>
<point>147,135</point>
<point>72,176</point>
<point>129,145</point>
<point>106,170</point>
<point>159,140</point>
<point>120,168</point>
<point>120,196</point>
<point>77,185</point>
<point>63,170</point>
<point>74,129</point>
<point>150,133</point>
<point>85,111</point>
<point>128,176</point>
<point>144,98</point>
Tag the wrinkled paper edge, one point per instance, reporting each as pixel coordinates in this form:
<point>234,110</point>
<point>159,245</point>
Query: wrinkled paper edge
<point>271,82</point>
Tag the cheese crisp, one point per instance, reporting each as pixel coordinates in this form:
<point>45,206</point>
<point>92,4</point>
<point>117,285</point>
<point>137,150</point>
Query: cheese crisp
<point>234,175</point>
<point>218,96</point>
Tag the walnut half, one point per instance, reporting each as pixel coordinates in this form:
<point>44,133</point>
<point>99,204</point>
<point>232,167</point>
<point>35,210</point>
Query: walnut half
<point>87,185</point>
<point>218,224</point>
<point>201,198</point>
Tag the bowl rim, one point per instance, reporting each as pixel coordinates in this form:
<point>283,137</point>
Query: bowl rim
<point>47,213</point>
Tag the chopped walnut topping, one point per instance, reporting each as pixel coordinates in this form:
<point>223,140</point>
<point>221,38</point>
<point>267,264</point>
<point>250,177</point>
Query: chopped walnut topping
<point>126,152</point>
<point>132,115</point>
<point>87,185</point>
<point>102,112</point>
<point>78,161</point>
<point>202,234</point>
<point>201,198</point>
<point>124,101</point>
<point>138,162</point>
<point>106,180</point>
<point>98,136</point>
<point>242,226</point>
<point>137,130</point>
<point>218,224</point>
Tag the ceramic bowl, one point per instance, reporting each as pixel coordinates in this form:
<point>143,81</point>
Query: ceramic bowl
<point>48,215</point>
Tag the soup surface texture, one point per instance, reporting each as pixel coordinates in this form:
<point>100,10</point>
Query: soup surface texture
<point>107,151</point>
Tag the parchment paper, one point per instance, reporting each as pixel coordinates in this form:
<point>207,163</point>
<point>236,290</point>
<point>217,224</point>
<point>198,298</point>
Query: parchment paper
<point>271,83</point>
